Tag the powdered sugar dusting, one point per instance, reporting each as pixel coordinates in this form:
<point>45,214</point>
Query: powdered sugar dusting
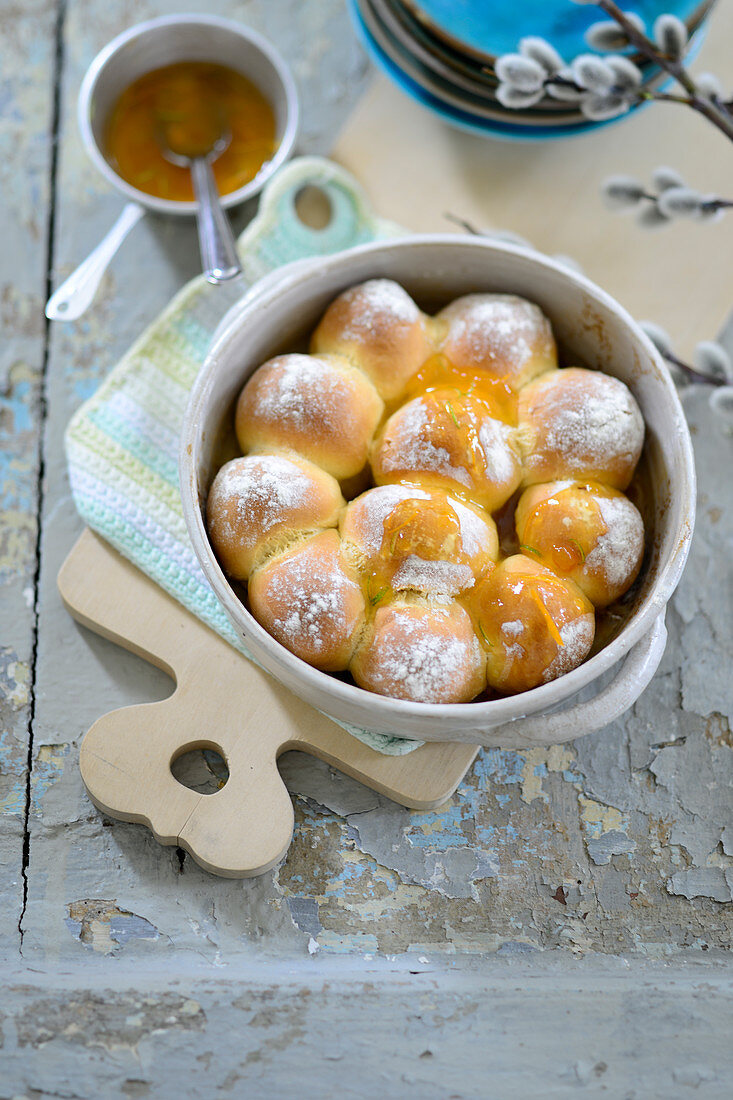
<point>432,577</point>
<point>559,486</point>
<point>616,553</point>
<point>495,328</point>
<point>379,304</point>
<point>425,665</point>
<point>407,446</point>
<point>501,462</point>
<point>475,531</point>
<point>577,637</point>
<point>299,390</point>
<point>512,629</point>
<point>590,420</point>
<point>264,490</point>
<point>316,604</point>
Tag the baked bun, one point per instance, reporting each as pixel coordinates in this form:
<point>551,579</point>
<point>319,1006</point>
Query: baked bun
<point>309,598</point>
<point>403,538</point>
<point>379,328</point>
<point>584,531</point>
<point>534,625</point>
<point>506,337</point>
<point>579,424</point>
<point>322,408</point>
<point>260,503</point>
<point>421,651</point>
<point>443,439</point>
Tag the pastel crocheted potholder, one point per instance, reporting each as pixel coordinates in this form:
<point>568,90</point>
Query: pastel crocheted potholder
<point>122,444</point>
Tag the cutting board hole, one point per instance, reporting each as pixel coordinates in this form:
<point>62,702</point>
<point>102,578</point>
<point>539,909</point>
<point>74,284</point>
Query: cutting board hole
<point>201,768</point>
<point>313,207</point>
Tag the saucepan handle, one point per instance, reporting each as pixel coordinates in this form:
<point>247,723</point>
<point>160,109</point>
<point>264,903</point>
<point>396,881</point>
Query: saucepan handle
<point>631,679</point>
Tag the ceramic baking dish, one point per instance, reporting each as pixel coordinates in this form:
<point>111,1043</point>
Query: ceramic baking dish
<point>593,331</point>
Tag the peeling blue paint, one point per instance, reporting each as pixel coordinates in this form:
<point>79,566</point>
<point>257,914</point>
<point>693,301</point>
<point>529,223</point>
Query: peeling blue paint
<point>17,409</point>
<point>501,765</point>
<point>448,834</point>
<point>47,769</point>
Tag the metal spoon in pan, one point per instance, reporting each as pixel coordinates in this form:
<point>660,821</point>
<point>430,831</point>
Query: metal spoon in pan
<point>198,151</point>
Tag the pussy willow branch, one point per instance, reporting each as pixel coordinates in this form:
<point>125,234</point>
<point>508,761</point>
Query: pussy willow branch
<point>692,373</point>
<point>719,118</point>
<point>710,205</point>
<point>464,224</point>
<point>664,97</point>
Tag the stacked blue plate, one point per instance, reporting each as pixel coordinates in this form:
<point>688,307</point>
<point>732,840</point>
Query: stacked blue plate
<point>443,53</point>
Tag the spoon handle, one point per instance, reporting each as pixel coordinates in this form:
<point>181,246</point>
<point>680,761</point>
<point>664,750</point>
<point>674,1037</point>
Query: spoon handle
<point>216,241</point>
<point>76,294</point>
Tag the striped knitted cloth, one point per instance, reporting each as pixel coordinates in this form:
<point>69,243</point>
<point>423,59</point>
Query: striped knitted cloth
<point>122,444</point>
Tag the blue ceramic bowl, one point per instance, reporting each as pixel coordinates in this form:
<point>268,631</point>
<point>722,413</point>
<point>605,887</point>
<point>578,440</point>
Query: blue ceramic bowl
<point>464,119</point>
<point>488,28</point>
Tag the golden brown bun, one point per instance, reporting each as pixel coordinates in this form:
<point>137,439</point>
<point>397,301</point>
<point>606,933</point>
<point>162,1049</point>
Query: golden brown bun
<point>310,600</point>
<point>507,337</point>
<point>260,503</point>
<point>444,440</point>
<point>321,408</point>
<point>534,626</point>
<point>579,424</point>
<point>584,531</point>
<point>378,327</point>
<point>424,652</point>
<point>403,538</point>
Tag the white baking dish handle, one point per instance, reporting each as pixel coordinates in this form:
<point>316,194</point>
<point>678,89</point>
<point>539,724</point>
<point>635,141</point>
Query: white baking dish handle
<point>631,679</point>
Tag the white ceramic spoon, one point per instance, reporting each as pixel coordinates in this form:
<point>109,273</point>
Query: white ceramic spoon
<point>76,294</point>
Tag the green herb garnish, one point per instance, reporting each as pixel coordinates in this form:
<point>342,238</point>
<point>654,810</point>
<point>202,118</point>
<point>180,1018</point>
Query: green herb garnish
<point>374,599</point>
<point>578,547</point>
<point>451,414</point>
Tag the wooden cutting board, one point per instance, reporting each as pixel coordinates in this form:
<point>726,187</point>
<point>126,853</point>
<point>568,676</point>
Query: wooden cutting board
<point>223,702</point>
<point>416,168</point>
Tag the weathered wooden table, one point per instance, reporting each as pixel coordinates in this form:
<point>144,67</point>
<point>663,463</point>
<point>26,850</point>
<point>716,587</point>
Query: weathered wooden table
<point>562,924</point>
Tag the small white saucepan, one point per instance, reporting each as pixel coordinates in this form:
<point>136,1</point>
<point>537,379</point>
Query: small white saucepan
<point>142,48</point>
<point>591,329</point>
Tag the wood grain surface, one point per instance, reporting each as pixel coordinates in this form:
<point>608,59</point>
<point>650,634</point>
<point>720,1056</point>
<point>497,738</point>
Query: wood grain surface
<point>562,923</point>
